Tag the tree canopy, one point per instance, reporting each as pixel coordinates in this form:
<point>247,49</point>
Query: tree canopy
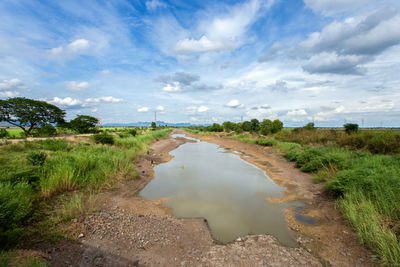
<point>28,114</point>
<point>83,124</point>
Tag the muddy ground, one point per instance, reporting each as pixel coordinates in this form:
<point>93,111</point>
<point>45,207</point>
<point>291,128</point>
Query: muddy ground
<point>128,230</point>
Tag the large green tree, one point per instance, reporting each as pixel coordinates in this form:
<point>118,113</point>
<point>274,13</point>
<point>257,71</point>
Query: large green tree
<point>84,124</point>
<point>28,114</point>
<point>255,125</point>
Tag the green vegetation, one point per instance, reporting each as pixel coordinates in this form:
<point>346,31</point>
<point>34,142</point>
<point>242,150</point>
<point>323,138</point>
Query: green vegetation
<point>29,114</point>
<point>374,141</point>
<point>361,170</point>
<point>368,189</point>
<point>103,138</point>
<point>350,128</point>
<point>83,124</point>
<point>253,126</point>
<point>33,172</point>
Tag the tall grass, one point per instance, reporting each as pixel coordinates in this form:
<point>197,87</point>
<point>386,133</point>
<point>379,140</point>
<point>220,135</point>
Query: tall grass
<point>368,189</point>
<point>63,167</point>
<point>374,141</point>
<point>139,143</point>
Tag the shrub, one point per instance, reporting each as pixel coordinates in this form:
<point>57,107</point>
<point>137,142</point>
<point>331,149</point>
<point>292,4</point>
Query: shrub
<point>351,128</point>
<point>16,205</point>
<point>266,142</point>
<point>103,138</point>
<point>309,126</point>
<point>45,130</point>
<point>3,133</point>
<point>37,158</point>
<point>132,132</point>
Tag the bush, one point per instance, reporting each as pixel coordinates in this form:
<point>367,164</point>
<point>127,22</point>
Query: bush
<point>37,158</point>
<point>103,138</point>
<point>3,133</point>
<point>266,142</point>
<point>132,132</point>
<point>309,126</point>
<point>16,205</point>
<point>350,128</point>
<point>44,131</point>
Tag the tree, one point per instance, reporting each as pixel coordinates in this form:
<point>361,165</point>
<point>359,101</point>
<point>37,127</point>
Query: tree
<point>265,126</point>
<point>215,127</point>
<point>28,114</point>
<point>84,124</point>
<point>351,128</point>
<point>246,126</point>
<point>153,125</point>
<point>228,126</point>
<point>255,125</point>
<point>309,126</point>
<point>276,126</point>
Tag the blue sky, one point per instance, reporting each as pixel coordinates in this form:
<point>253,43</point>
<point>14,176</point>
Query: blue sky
<point>328,61</point>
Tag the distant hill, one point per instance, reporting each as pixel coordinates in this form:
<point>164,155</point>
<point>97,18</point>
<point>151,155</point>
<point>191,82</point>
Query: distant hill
<point>147,124</point>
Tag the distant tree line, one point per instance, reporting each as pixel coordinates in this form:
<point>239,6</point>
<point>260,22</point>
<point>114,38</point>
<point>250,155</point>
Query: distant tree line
<point>254,126</point>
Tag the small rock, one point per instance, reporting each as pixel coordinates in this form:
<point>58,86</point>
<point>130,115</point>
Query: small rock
<point>238,239</point>
<point>80,235</point>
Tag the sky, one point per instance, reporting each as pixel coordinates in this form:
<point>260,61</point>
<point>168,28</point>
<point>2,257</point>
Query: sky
<point>327,61</point>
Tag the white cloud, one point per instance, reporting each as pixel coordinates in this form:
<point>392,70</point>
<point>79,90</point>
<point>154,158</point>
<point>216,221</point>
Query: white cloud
<point>67,101</point>
<point>9,93</point>
<point>80,44</point>
<point>160,108</point>
<point>331,7</point>
<point>194,119</point>
<point>202,109</point>
<point>12,84</point>
<point>174,87</point>
<point>94,109</point>
<point>234,103</point>
<point>143,109</point>
<point>105,72</point>
<point>75,47</point>
<point>195,109</point>
<point>76,86</point>
<point>344,46</point>
<point>110,99</point>
<point>262,113</point>
<point>223,31</point>
<point>202,45</point>
<point>154,4</point>
<point>297,112</point>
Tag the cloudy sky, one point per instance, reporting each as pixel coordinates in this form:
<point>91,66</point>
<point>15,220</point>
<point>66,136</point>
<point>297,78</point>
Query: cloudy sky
<point>328,61</point>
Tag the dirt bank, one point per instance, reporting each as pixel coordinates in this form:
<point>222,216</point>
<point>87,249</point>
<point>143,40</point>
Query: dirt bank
<point>128,230</point>
<point>330,240</point>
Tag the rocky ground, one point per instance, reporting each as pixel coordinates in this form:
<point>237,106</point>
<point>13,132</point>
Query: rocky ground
<point>128,230</point>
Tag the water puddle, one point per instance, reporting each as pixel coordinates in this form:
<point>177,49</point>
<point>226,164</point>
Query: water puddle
<point>202,180</point>
<point>305,219</point>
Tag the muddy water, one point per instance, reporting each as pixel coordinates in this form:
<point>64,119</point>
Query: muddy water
<point>203,180</point>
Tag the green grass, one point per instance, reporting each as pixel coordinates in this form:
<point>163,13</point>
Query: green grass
<point>63,167</point>
<point>368,190</point>
<point>365,183</point>
<point>139,143</point>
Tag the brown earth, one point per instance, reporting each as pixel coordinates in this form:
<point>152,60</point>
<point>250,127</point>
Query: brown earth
<point>129,230</point>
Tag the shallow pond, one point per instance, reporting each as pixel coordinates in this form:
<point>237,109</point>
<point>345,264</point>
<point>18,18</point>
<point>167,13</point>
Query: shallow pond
<point>204,180</point>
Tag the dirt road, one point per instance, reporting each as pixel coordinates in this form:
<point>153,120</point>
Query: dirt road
<point>129,230</point>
